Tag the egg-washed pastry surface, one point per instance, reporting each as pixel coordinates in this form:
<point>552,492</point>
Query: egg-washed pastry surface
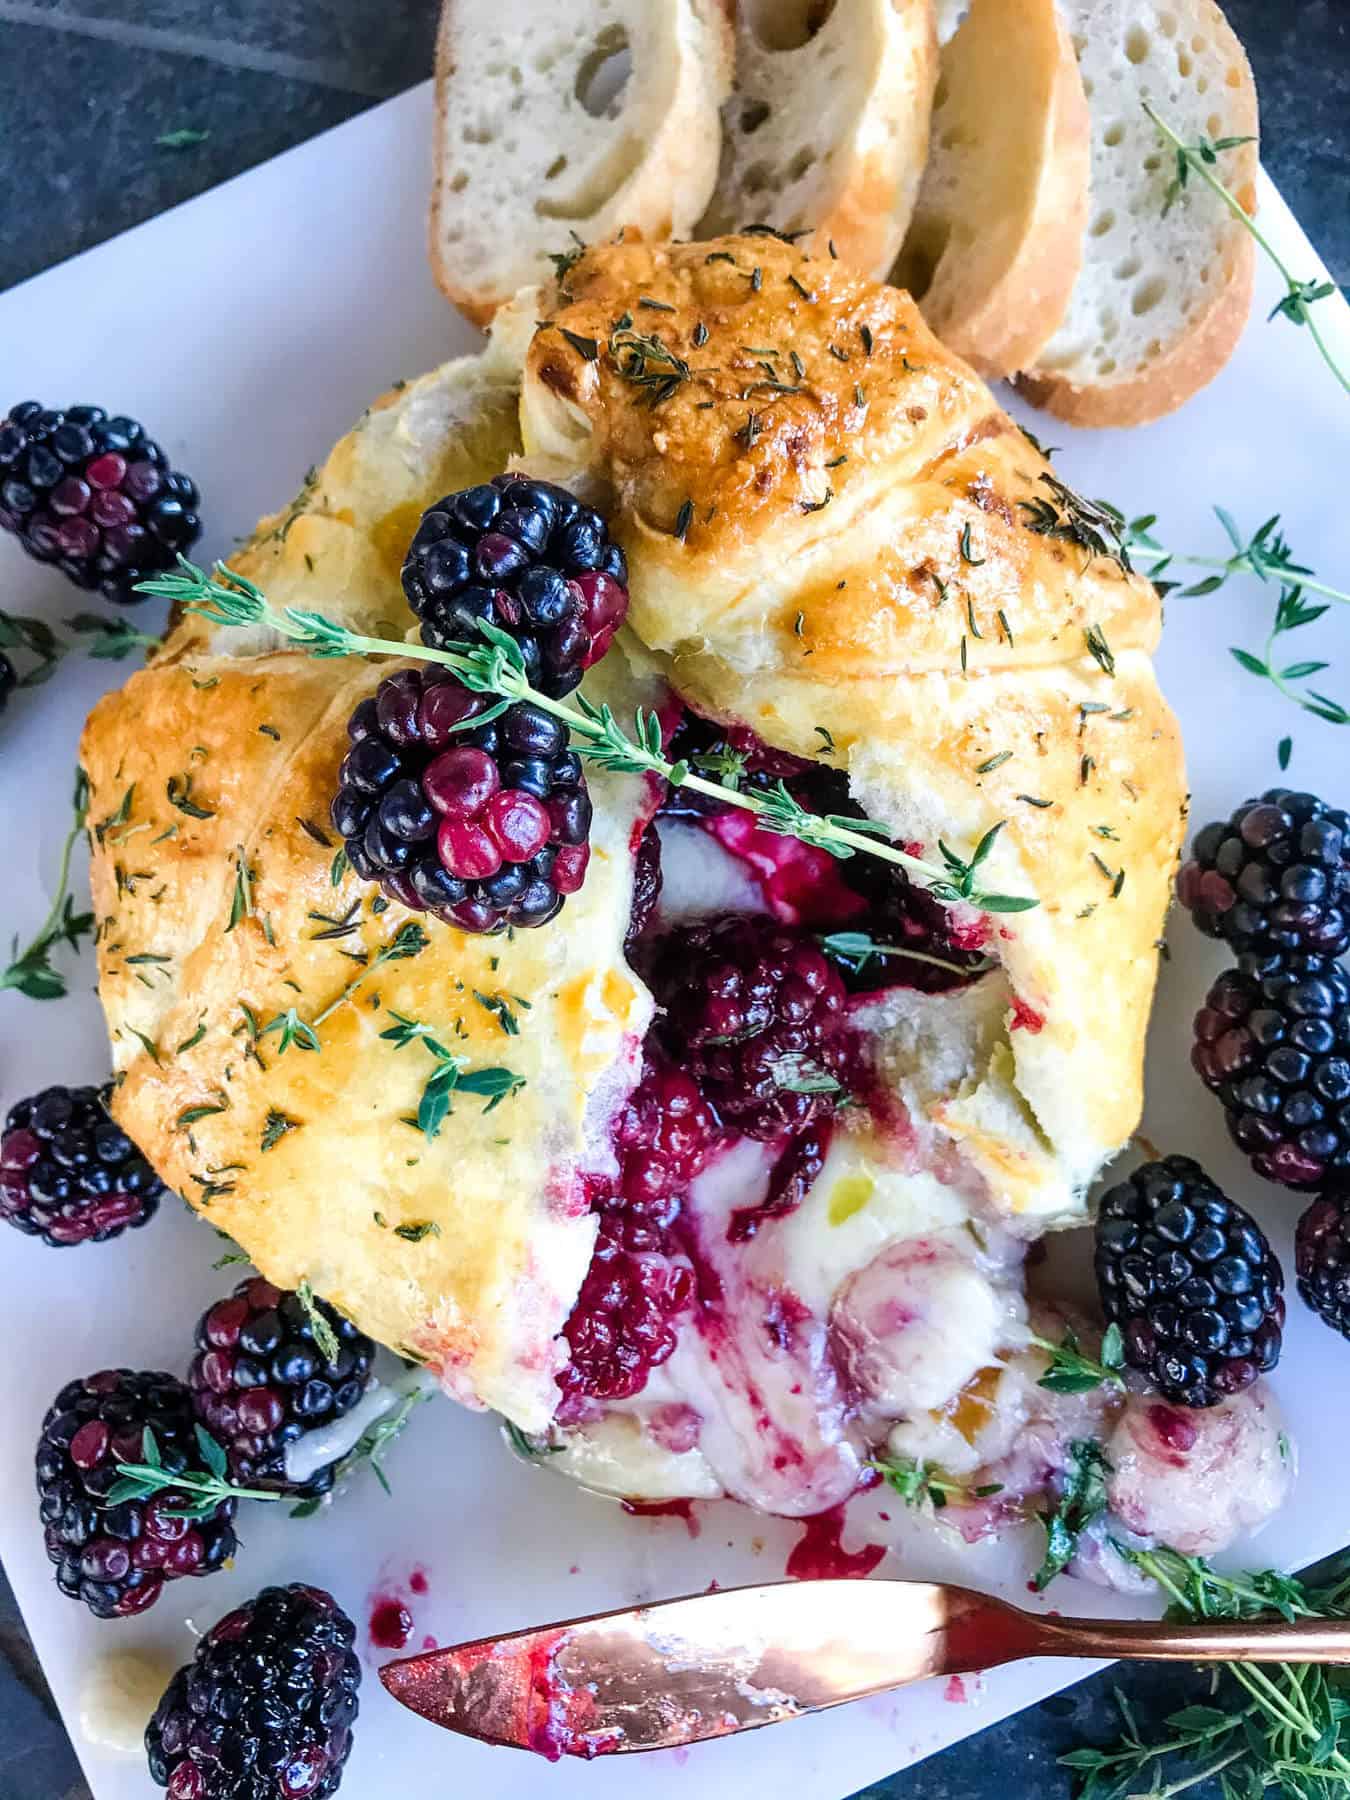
<point>836,538</point>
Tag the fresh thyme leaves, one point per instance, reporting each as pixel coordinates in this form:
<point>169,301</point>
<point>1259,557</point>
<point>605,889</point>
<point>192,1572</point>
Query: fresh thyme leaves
<point>409,940</point>
<point>406,1394</point>
<point>110,639</point>
<point>500,1008</point>
<point>30,971</point>
<point>853,950</point>
<point>644,361</point>
<point>683,520</point>
<point>38,639</point>
<point>967,553</point>
<point>1095,639</point>
<point>923,1483</point>
<point>339,867</point>
<point>1283,1730</point>
<point>1283,752</point>
<point>1069,518</point>
<point>496,667</point>
<point>275,1127</point>
<point>1082,1502</point>
<point>201,1494</point>
<point>325,1338</point>
<point>1072,1372</point>
<point>450,1076</point>
<point>1268,556</point>
<point>991,763</point>
<point>1300,297</point>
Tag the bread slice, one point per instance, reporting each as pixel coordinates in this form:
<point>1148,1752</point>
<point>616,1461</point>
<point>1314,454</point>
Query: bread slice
<point>562,122</point>
<point>1163,295</point>
<point>827,132</point>
<point>996,241</point>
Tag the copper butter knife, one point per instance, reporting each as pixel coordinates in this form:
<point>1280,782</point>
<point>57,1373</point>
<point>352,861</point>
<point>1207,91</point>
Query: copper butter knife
<point>673,1673</point>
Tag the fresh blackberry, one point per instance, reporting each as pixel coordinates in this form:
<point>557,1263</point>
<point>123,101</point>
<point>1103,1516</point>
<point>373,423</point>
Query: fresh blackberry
<point>1276,873</point>
<point>486,827</point>
<point>1188,1276</point>
<point>9,680</point>
<point>1273,1042</point>
<point>68,1174</point>
<point>754,1012</point>
<point>265,1709</point>
<point>529,558</point>
<point>646,885</point>
<point>259,1381</point>
<point>638,1282</point>
<point>116,1557</point>
<point>94,495</point>
<point>1322,1258</point>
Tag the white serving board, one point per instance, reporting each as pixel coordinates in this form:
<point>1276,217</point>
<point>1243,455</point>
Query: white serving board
<point>250,327</point>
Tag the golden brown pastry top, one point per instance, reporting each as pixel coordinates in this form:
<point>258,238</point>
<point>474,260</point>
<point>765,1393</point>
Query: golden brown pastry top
<point>833,528</point>
<point>854,569</point>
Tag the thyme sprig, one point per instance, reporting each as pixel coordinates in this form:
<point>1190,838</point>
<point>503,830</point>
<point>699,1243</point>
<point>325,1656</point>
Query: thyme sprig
<point>202,1493</point>
<point>1268,555</point>
<point>924,1484</point>
<point>1283,1731</point>
<point>854,950</point>
<point>496,667</point>
<point>36,637</point>
<point>30,971</point>
<point>408,940</point>
<point>1201,159</point>
<point>1080,1504</point>
<point>376,1440</point>
<point>451,1075</point>
<point>1071,1371</point>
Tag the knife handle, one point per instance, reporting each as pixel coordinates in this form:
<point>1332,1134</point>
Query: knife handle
<point>1225,1640</point>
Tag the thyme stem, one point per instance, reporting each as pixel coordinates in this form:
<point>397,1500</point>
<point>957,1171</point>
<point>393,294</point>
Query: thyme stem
<point>495,667</point>
<point>1297,301</point>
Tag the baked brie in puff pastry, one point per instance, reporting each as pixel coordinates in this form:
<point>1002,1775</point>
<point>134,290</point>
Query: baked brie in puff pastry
<point>849,570</point>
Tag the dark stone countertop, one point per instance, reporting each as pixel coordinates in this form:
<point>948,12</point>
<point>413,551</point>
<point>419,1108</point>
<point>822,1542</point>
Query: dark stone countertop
<point>86,88</point>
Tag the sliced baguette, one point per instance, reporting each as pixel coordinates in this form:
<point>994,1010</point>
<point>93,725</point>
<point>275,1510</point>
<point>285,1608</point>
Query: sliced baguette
<point>529,150</point>
<point>996,242</point>
<point>827,132</point>
<point>1163,296</point>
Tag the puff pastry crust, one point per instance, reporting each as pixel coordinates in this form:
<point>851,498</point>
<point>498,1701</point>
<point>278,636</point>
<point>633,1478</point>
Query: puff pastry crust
<point>856,568</point>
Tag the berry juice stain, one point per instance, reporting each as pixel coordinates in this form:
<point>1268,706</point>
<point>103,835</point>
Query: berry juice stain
<point>390,1623</point>
<point>417,1581</point>
<point>819,1554</point>
<point>665,1509</point>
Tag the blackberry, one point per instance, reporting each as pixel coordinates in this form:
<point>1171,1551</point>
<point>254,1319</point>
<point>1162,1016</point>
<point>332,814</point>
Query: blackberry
<point>9,680</point>
<point>1273,1042</point>
<point>116,1556</point>
<point>1322,1259</point>
<point>94,495</point>
<point>1277,873</point>
<point>646,885</point>
<point>265,1709</point>
<point>529,558</point>
<point>484,827</point>
<point>621,1326</point>
<point>1188,1276</point>
<point>68,1174</point>
<point>259,1381</point>
<point>755,1013</point>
